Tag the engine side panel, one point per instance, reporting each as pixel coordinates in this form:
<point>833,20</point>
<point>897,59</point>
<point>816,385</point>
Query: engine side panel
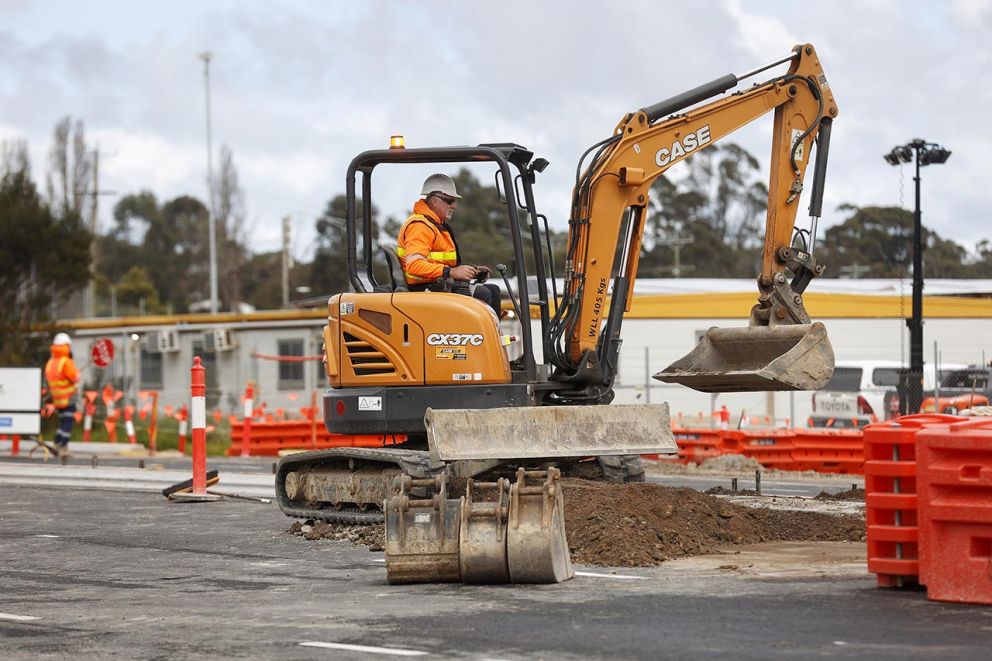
<point>412,338</point>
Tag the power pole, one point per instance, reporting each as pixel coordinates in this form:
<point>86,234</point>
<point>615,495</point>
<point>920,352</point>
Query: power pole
<point>854,271</point>
<point>89,293</point>
<point>286,261</point>
<point>676,243</point>
<point>210,189</point>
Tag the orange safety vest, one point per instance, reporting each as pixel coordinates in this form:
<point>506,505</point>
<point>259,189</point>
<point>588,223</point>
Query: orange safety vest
<point>425,246</point>
<point>62,375</point>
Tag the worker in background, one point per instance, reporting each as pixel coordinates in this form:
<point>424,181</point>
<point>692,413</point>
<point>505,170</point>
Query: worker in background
<point>428,251</point>
<point>62,377</point>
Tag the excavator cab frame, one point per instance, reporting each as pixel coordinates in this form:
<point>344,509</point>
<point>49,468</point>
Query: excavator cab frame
<point>507,157</point>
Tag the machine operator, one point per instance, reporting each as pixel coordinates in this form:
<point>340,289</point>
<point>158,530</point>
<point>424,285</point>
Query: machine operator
<point>428,251</point>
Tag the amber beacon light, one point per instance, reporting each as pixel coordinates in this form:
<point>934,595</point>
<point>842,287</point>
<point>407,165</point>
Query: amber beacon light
<point>397,142</point>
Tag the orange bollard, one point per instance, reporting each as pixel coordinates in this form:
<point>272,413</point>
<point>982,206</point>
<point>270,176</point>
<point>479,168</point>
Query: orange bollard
<point>90,408</point>
<point>198,406</point>
<point>313,420</point>
<point>153,425</point>
<point>129,424</point>
<point>183,416</point>
<point>15,445</point>
<point>249,409</point>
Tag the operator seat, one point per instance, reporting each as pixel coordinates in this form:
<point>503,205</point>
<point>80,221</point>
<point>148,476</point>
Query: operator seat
<point>396,279</point>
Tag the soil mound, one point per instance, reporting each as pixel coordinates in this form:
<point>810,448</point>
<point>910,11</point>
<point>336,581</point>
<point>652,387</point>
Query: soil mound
<point>732,463</point>
<point>372,536</point>
<point>638,525</point>
<point>849,494</point>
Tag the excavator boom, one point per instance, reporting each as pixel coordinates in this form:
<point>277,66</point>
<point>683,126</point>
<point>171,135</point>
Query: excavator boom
<point>608,210</point>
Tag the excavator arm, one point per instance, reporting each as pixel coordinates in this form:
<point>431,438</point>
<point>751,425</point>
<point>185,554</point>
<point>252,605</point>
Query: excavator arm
<point>611,196</point>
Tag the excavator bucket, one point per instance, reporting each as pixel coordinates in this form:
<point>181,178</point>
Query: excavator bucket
<point>758,358</point>
<point>422,533</point>
<point>482,549</point>
<point>545,432</point>
<point>536,548</point>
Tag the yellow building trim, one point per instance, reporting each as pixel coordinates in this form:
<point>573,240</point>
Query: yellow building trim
<point>191,319</point>
<point>644,306</point>
<point>819,306</point>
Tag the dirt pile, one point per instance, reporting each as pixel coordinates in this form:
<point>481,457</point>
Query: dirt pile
<point>849,494</point>
<point>372,536</point>
<point>637,525</point>
<point>732,463</point>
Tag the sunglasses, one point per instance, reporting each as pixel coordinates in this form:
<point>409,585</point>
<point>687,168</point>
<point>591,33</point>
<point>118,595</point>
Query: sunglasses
<point>447,200</point>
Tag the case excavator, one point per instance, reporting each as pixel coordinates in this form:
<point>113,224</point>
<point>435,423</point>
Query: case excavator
<point>431,374</point>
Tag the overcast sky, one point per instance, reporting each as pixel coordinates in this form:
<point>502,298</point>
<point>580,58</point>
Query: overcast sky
<point>299,88</point>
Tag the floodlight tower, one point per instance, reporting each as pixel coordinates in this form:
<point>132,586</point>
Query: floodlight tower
<point>926,153</point>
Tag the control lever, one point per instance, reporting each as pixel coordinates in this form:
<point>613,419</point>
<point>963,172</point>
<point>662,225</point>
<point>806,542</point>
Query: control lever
<point>509,292</point>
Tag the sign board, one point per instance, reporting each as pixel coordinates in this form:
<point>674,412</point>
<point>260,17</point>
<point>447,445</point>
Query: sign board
<point>102,352</point>
<point>20,400</point>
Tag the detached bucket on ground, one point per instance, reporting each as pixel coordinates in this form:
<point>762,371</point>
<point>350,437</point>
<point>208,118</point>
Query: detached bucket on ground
<point>756,359</point>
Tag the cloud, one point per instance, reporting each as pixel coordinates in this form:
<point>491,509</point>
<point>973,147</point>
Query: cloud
<point>297,92</point>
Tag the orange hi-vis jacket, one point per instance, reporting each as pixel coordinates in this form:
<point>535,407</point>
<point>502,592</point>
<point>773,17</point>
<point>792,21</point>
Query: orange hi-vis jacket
<point>62,375</point>
<point>425,246</point>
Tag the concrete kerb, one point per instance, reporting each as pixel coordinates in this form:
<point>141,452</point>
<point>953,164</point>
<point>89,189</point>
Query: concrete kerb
<point>128,479</point>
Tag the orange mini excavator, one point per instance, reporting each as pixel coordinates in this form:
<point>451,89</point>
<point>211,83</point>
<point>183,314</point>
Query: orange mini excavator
<point>435,367</point>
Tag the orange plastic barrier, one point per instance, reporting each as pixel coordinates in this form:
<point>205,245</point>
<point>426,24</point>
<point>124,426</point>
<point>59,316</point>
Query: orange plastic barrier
<point>890,497</point>
<point>954,472</point>
<point>697,444</point>
<point>771,448</point>
<point>268,438</point>
<point>829,450</point>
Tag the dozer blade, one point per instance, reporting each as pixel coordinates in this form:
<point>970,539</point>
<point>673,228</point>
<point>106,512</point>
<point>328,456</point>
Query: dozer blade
<point>422,534</point>
<point>540,432</point>
<point>482,547</point>
<point>758,358</point>
<point>536,548</point>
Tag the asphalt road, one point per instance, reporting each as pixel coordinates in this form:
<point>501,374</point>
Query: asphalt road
<point>91,573</point>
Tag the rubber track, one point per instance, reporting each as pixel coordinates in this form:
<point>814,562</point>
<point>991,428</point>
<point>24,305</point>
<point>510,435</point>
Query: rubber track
<point>413,462</point>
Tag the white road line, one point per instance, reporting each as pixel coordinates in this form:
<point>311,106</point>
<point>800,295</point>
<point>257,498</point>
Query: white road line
<point>620,576</point>
<point>364,648</point>
<point>49,536</point>
<point>8,616</point>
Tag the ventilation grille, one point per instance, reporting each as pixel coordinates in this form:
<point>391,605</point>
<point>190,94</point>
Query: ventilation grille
<point>365,359</point>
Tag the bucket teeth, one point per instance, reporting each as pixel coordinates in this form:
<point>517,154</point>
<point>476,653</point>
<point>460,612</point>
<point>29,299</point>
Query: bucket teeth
<point>496,533</point>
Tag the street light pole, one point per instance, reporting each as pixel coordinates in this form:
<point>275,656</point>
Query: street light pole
<point>916,322</point>
<point>211,228</point>
<point>925,153</point>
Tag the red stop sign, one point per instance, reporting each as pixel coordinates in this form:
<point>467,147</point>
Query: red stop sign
<point>102,353</point>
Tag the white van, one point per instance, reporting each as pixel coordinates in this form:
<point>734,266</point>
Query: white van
<point>860,392</point>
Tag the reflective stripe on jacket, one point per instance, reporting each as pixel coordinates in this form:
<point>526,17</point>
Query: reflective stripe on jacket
<point>425,246</point>
<point>61,375</point>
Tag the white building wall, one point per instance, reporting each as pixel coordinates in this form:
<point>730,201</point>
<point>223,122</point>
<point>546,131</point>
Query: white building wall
<point>649,345</point>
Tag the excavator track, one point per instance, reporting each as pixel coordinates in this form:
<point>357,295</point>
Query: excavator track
<point>344,485</point>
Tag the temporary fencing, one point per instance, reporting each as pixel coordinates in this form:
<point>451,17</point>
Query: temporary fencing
<point>822,450</point>
<point>268,438</point>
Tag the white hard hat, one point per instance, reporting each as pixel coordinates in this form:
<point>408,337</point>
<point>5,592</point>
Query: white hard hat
<point>440,183</point>
<point>62,338</point>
